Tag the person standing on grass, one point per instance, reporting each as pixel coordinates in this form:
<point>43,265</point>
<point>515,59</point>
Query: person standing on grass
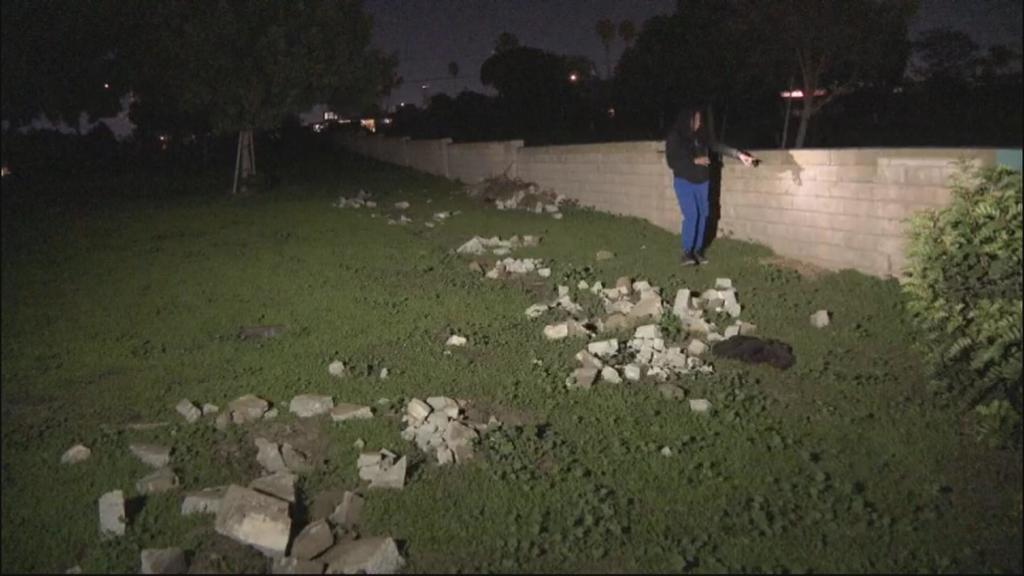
<point>687,151</point>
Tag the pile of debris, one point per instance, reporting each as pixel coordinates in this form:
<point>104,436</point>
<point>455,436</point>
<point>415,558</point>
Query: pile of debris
<point>511,266</point>
<point>440,427</point>
<point>361,199</point>
<point>259,515</point>
<point>628,305</point>
<point>478,246</point>
<point>515,194</point>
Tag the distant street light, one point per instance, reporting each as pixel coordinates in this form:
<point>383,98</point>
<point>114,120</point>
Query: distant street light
<point>573,77</point>
<point>106,86</point>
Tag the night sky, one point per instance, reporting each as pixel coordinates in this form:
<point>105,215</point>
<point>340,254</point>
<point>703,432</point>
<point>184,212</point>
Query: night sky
<point>428,34</point>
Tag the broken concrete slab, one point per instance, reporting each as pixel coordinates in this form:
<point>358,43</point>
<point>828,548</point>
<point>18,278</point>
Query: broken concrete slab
<point>696,348</point>
<point>699,405</point>
<point>649,331</point>
<point>731,331</point>
<point>649,306</point>
<point>312,540</point>
<point>418,409</point>
<point>270,414</point>
<point>210,409</point>
<point>681,306</point>
<point>188,410</point>
<point>113,516</point>
<point>536,310</point>
<point>269,455</point>
<point>310,405</point>
<point>582,378</point>
<point>292,565</point>
<point>610,375</point>
<point>544,272</point>
<point>821,319</point>
<point>403,205</point>
<point>458,434</point>
<point>254,519</point>
<point>76,454</point>
<point>347,513</point>
<point>588,360</point>
<point>206,501</point>
<point>631,372</point>
<point>391,478</point>
<point>603,348</point>
<point>376,555</point>
<point>295,460</point>
<point>279,485</point>
<point>556,331</point>
<point>343,412</point>
<point>337,369</point>
<point>747,329</point>
<point>247,408</point>
<point>161,480</point>
<point>163,561</point>
<point>456,340</point>
<point>473,246</point>
<point>604,255</point>
<point>617,322</point>
<point>152,455</point>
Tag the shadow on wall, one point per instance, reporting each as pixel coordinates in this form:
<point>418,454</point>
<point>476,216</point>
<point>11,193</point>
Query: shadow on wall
<point>783,163</point>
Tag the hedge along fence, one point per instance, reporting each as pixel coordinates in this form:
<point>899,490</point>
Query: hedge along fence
<point>844,208</point>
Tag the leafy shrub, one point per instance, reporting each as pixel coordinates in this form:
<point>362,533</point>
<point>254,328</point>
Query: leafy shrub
<point>964,286</point>
<point>996,424</point>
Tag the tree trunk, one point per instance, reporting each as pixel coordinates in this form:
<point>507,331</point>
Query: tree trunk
<point>805,117</point>
<point>789,116</point>
<point>245,161</point>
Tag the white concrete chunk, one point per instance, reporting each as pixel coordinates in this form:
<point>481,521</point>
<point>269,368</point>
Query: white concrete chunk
<point>310,405</point>
<point>254,519</point>
<point>113,517</point>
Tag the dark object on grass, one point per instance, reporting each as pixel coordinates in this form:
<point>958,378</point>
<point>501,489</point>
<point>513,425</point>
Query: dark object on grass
<point>250,332</point>
<point>756,351</point>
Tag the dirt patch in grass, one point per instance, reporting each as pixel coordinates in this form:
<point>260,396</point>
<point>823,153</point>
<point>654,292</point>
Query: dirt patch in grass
<point>805,269</point>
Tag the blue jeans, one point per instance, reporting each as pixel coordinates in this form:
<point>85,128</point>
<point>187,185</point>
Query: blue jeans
<point>693,201</point>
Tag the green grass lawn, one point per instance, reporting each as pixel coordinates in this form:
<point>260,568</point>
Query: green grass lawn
<point>121,297</point>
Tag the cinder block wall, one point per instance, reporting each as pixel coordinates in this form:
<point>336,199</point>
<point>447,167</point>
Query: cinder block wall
<point>477,161</point>
<point>843,208</point>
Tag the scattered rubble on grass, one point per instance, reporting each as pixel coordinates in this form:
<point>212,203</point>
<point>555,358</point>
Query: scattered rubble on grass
<point>160,480</point>
<point>382,469</point>
<point>113,515</point>
<point>439,427</point>
<point>456,340</point>
<point>310,405</point>
<point>188,410</point>
<point>75,454</point>
<point>514,194</point>
<point>247,408</point>
<point>254,519</point>
<point>151,454</point>
<point>478,245</point>
<point>821,319</point>
<point>362,198</point>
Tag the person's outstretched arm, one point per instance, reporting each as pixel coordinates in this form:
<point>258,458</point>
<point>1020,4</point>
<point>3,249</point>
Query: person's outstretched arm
<point>724,149</point>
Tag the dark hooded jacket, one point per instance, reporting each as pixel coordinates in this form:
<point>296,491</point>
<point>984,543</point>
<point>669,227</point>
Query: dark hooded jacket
<point>682,146</point>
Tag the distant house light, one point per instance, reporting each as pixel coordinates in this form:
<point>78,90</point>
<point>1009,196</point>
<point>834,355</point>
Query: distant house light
<point>611,112</point>
<point>387,120</point>
<point>800,93</point>
<point>573,77</point>
<point>328,115</point>
<point>369,124</point>
<point>425,86</point>
<point>106,86</point>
